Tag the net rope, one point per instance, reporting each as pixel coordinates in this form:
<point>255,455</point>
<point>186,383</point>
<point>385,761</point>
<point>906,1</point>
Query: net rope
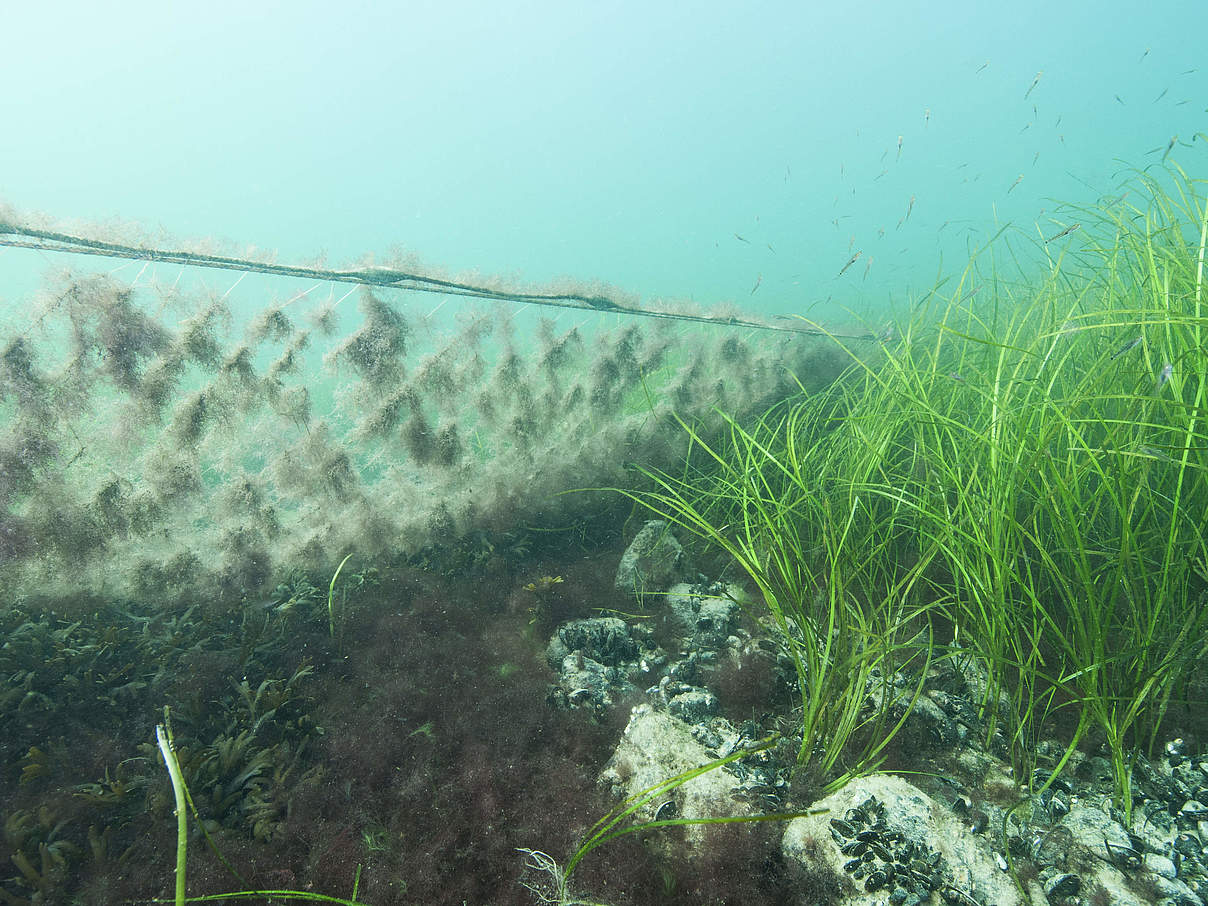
<point>19,236</point>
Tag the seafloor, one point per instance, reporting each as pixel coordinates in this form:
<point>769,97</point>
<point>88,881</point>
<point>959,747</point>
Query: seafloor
<point>408,742</point>
<point>416,746</point>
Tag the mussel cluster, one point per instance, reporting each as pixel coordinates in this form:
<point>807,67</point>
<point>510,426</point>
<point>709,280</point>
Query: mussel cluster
<point>883,859</point>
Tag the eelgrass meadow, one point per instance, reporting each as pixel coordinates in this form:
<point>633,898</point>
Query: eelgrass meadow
<point>1019,471</point>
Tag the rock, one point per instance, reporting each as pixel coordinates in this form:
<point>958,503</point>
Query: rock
<point>654,747</point>
<point>1105,854</point>
<point>1160,865</point>
<point>1176,891</point>
<point>716,622</point>
<point>1089,827</point>
<point>971,674</point>
<point>925,837</point>
<point>608,640</point>
<point>586,683</point>
<point>684,604</point>
<point>1119,889</point>
<point>1061,886</point>
<point>693,707</point>
<point>706,614</point>
<point>598,659</point>
<point>927,727</point>
<point>653,562</point>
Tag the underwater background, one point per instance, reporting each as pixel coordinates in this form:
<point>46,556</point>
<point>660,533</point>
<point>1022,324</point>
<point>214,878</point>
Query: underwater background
<point>334,527</point>
<point>627,143</point>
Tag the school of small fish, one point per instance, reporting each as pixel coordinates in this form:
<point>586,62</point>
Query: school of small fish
<point>1034,94</point>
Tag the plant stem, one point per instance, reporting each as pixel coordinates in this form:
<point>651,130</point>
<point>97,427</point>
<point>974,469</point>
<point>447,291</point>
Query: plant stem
<point>182,815</point>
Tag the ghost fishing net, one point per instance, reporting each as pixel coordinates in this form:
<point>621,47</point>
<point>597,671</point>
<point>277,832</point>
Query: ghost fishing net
<point>161,438</point>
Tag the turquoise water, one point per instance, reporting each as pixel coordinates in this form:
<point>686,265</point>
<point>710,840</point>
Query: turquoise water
<point>187,469</point>
<point>628,142</point>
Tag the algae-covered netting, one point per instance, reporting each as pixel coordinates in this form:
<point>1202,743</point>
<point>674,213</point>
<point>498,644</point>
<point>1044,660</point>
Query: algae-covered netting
<point>162,441</point>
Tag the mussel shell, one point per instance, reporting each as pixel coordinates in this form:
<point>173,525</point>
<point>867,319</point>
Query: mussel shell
<point>843,828</point>
<point>876,880</point>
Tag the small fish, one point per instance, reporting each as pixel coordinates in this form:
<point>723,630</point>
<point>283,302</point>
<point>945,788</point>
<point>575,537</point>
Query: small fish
<point>926,116</point>
<point>1131,344</point>
<point>850,262</point>
<point>1144,55</point>
<point>1166,153</point>
<point>983,66</point>
<point>740,239</point>
<point>1162,95</point>
<point>867,267</point>
<point>899,157</point>
<point>1018,180</point>
<point>1120,100</point>
<point>758,280</point>
<point>1167,371</point>
<point>770,249</point>
<point>1035,157</point>
<point>1065,232</point>
<point>1032,87</point>
<point>909,208</point>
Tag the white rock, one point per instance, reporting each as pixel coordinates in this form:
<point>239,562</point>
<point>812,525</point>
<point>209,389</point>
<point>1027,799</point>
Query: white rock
<point>917,817</point>
<point>655,747</point>
<point>1160,865</point>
